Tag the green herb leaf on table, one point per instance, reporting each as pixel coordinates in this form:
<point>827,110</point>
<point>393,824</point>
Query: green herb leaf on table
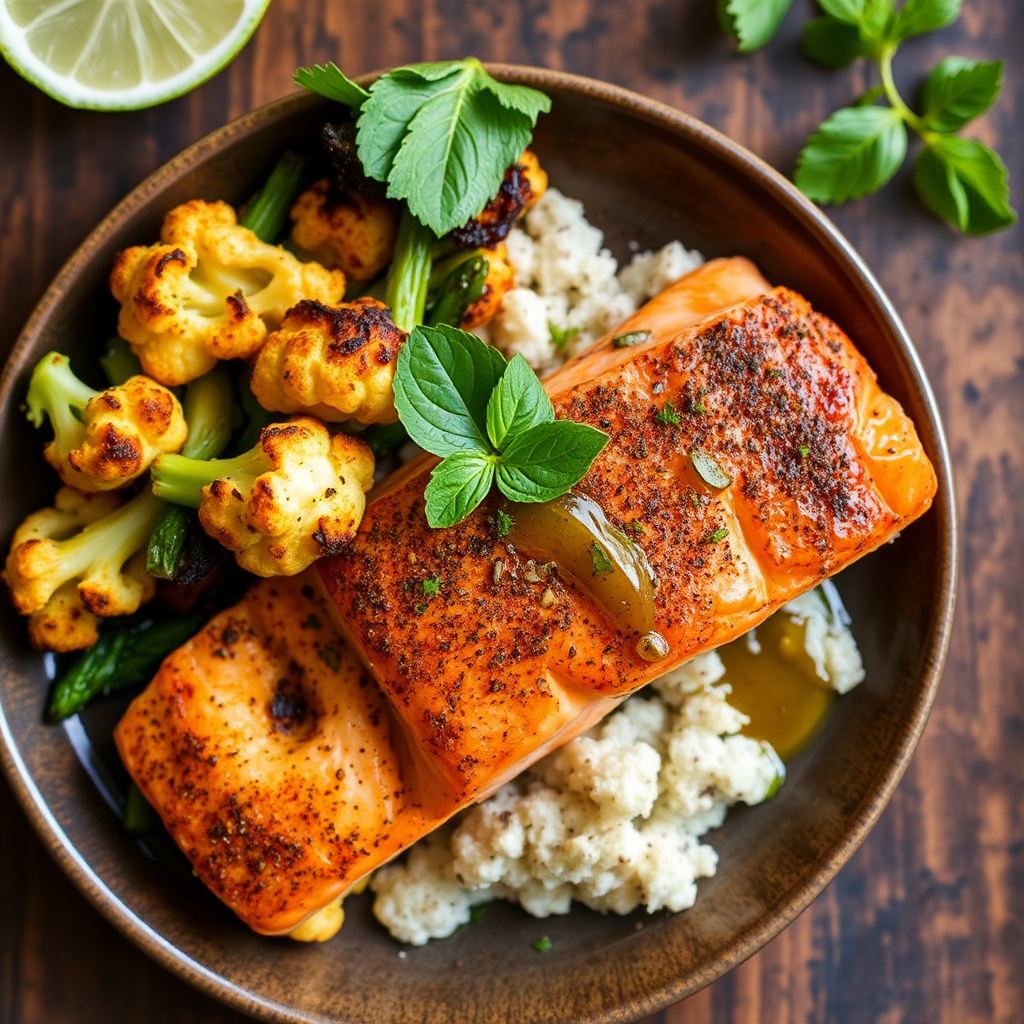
<point>752,22</point>
<point>517,403</point>
<point>856,151</point>
<point>442,386</point>
<point>832,43</point>
<point>543,462</point>
<point>965,183</point>
<point>958,90</point>
<point>457,486</point>
<point>916,17</point>
<point>329,81</point>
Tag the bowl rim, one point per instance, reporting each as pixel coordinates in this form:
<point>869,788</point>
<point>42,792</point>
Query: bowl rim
<point>737,157</point>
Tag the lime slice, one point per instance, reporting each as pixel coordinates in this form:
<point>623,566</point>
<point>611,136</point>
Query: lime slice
<point>123,54</point>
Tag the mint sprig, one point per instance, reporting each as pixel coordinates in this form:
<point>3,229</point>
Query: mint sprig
<point>440,135</point>
<point>858,149</point>
<point>491,422</point>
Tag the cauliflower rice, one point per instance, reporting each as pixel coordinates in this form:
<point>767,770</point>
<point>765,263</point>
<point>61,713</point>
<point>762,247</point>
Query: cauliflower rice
<point>613,819</point>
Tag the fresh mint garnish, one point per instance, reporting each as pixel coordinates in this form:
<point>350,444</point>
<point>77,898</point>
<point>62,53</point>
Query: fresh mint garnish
<point>491,421</point>
<point>440,135</point>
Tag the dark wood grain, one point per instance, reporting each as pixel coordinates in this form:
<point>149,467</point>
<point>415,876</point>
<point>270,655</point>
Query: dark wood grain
<point>924,924</point>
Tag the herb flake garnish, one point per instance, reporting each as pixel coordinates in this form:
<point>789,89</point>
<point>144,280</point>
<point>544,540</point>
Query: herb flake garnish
<point>709,469</point>
<point>668,415</point>
<point>630,338</point>
<point>717,535</point>
<point>330,656</point>
<point>543,944</point>
<point>602,564</point>
<point>431,587</point>
<point>440,135</point>
<point>561,336</point>
<point>490,421</point>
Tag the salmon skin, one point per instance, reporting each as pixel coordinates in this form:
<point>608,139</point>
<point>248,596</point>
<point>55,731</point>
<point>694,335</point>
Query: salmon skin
<point>438,700</point>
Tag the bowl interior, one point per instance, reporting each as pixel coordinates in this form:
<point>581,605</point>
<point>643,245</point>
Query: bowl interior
<point>647,175</point>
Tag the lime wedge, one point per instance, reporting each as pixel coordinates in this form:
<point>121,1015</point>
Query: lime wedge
<point>123,54</point>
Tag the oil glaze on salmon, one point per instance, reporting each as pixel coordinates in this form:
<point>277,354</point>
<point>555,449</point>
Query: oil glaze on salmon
<point>440,699</point>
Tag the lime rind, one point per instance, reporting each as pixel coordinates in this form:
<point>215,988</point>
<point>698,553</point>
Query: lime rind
<point>73,93</point>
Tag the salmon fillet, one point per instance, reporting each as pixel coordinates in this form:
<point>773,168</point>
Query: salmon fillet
<point>435,703</point>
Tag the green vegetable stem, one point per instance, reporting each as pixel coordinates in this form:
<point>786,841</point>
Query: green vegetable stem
<point>119,362</point>
<point>120,658</point>
<point>266,214</point>
<point>179,549</point>
<point>409,273</point>
<point>458,291</point>
<point>179,479</point>
<point>490,421</point>
<point>858,149</point>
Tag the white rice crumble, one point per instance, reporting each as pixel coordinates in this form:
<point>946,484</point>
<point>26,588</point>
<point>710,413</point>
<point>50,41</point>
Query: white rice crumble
<point>567,279</point>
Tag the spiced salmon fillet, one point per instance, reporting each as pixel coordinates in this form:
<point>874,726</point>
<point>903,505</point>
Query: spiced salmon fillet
<point>464,662</point>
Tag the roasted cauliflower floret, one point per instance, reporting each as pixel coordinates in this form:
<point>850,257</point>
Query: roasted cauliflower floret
<point>209,290</point>
<point>82,558</point>
<point>501,278</point>
<point>346,230</point>
<point>102,439</point>
<point>334,362</point>
<point>295,497</point>
<point>524,183</point>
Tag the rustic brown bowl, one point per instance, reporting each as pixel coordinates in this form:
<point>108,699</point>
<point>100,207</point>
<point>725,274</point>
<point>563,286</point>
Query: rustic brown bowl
<point>647,174</point>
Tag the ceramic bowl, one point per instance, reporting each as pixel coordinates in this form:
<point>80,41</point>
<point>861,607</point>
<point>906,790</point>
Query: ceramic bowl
<point>647,174</point>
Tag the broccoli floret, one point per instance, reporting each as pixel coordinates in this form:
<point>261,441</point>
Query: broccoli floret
<point>80,559</point>
<point>102,439</point>
<point>297,495</point>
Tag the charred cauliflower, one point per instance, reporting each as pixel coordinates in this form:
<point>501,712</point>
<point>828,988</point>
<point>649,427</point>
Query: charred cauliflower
<point>334,362</point>
<point>524,183</point>
<point>209,290</point>
<point>82,558</point>
<point>296,496</point>
<point>500,279</point>
<point>102,439</point>
<point>345,229</point>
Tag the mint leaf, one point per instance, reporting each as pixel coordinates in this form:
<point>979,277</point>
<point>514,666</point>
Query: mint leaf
<point>455,155</point>
<point>965,183</point>
<point>457,486</point>
<point>517,403</point>
<point>443,381</point>
<point>958,90</point>
<point>873,19</point>
<point>394,101</point>
<point>521,98</point>
<point>856,151</point>
<point>919,16</point>
<point>545,461</point>
<point>752,22</point>
<point>330,81</point>
<point>832,43</point>
<point>442,136</point>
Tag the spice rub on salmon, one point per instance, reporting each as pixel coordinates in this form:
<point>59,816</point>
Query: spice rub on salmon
<point>467,662</point>
<point>274,760</point>
<point>486,676</point>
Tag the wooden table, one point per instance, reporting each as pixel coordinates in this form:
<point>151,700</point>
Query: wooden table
<point>924,924</point>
